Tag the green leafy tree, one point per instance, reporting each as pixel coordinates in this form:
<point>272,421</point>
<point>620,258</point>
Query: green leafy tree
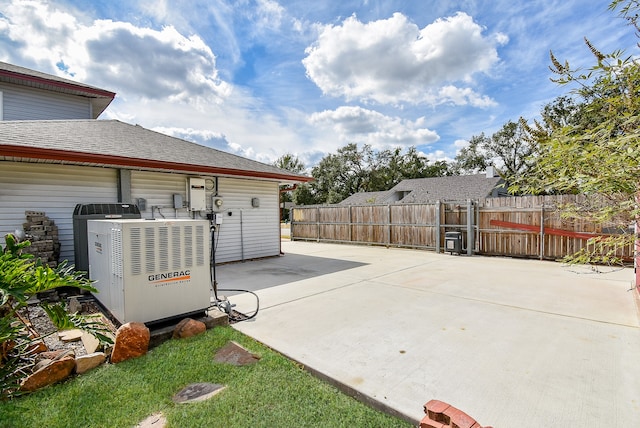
<point>474,157</point>
<point>354,169</point>
<point>509,150</point>
<point>391,166</point>
<point>291,163</point>
<point>304,195</point>
<point>343,173</point>
<point>598,156</point>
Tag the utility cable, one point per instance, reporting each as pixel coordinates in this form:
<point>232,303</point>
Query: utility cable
<point>224,305</point>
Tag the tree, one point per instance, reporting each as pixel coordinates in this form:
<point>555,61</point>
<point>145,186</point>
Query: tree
<point>598,156</point>
<point>353,170</point>
<point>343,173</point>
<point>392,166</point>
<point>508,149</point>
<point>474,157</point>
<point>291,163</point>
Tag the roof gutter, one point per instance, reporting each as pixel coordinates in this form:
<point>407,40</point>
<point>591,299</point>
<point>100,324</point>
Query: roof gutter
<point>72,157</point>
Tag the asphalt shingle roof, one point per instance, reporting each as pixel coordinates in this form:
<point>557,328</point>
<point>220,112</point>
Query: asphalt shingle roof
<point>364,198</point>
<point>111,142</point>
<point>431,189</point>
<point>451,188</point>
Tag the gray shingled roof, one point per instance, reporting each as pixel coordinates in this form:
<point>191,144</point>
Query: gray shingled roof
<point>364,198</point>
<point>449,188</point>
<point>114,143</point>
<point>432,189</point>
<point>99,98</point>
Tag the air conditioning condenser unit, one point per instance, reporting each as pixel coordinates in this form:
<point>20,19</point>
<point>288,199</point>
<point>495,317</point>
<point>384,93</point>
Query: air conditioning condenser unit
<point>150,270</point>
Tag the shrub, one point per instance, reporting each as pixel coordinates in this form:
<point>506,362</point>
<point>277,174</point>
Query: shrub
<point>21,277</point>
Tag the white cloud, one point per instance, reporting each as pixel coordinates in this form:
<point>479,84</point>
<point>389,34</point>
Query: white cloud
<point>360,125</point>
<point>393,61</point>
<point>460,144</point>
<point>143,62</point>
<point>269,14</point>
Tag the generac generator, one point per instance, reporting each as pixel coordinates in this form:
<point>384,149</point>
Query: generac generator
<point>150,270</point>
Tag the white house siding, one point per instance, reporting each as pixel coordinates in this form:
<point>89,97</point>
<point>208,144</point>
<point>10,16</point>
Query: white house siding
<point>157,189</point>
<point>55,190</point>
<point>23,103</point>
<point>259,233</point>
<point>257,236</point>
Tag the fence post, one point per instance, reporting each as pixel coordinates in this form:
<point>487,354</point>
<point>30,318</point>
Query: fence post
<point>388,225</point>
<point>437,226</point>
<point>542,232</point>
<point>470,234</point>
<point>350,223</point>
<point>292,219</point>
<point>318,224</point>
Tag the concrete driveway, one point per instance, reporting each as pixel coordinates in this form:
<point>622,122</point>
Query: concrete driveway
<point>513,343</point>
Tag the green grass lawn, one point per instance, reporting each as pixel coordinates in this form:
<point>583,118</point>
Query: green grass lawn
<point>275,392</point>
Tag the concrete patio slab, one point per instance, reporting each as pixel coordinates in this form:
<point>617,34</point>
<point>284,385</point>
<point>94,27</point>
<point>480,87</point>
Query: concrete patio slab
<point>514,343</point>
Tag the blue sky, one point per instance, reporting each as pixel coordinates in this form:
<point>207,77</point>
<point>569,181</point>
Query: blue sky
<point>261,78</point>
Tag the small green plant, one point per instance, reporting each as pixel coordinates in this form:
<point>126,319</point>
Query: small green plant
<point>21,277</point>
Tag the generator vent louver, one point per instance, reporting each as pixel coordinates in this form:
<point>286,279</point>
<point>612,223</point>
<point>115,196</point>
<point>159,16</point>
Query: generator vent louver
<point>150,270</point>
<point>116,245</point>
<point>136,250</point>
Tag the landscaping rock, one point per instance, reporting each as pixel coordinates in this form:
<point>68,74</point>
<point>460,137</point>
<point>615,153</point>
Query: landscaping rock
<point>52,355</point>
<point>74,305</point>
<point>41,364</point>
<point>64,353</point>
<point>73,335</point>
<point>132,341</point>
<point>197,392</point>
<point>37,347</point>
<point>233,353</point>
<point>52,373</point>
<point>91,344</point>
<point>188,327</point>
<point>215,317</point>
<point>88,362</point>
<point>157,420</point>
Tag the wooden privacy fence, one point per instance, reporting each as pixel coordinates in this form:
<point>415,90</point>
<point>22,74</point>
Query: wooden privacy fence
<point>528,226</point>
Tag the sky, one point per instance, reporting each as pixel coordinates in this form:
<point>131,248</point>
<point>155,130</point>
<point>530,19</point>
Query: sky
<point>264,78</point>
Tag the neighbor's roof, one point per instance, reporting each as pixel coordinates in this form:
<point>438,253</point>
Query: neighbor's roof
<point>364,198</point>
<point>99,98</point>
<point>451,188</point>
<point>111,143</point>
<point>431,189</point>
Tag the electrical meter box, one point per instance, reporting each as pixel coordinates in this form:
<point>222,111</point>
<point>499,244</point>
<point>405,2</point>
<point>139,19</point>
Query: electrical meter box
<point>150,270</point>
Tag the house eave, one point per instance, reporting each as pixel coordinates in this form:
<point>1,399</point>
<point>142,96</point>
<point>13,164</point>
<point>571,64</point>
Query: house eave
<point>35,154</point>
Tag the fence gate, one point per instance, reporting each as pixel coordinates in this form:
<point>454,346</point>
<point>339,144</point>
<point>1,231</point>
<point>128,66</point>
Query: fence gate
<point>398,225</point>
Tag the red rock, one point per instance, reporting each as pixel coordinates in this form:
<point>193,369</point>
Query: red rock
<point>52,373</point>
<point>188,327</point>
<point>132,341</point>
<point>52,355</point>
<point>37,347</point>
<point>235,354</point>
